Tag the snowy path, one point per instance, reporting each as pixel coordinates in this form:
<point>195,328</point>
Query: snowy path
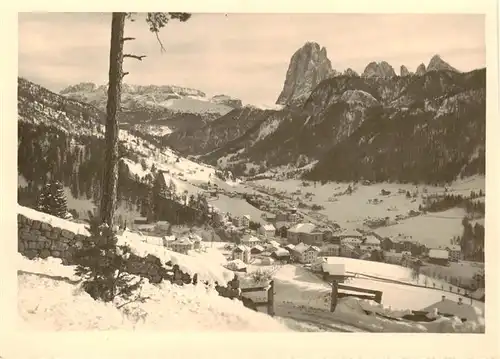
<point>321,318</point>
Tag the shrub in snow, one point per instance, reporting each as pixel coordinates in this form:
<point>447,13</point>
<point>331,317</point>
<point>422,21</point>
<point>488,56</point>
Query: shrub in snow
<point>102,266</point>
<point>52,200</point>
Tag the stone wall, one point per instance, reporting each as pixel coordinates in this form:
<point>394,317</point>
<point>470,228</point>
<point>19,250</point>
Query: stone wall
<point>38,239</point>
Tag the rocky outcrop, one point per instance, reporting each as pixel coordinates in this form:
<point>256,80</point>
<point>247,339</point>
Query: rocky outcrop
<point>420,70</point>
<point>438,64</point>
<point>309,66</point>
<point>350,72</point>
<point>379,69</point>
<point>404,71</point>
<point>227,100</point>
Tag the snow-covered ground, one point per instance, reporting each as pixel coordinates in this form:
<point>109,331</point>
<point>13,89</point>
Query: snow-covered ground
<point>300,296</point>
<point>45,303</point>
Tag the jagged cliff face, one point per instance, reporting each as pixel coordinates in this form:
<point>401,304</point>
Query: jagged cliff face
<point>421,70</point>
<point>404,71</point>
<point>308,67</point>
<point>379,69</point>
<point>438,64</point>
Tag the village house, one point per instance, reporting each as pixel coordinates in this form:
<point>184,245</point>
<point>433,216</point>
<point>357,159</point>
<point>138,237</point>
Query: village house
<point>250,240</point>
<point>281,254</point>
<point>386,244</point>
<point>349,233</point>
<point>236,266</point>
<point>282,229</point>
<point>393,257</point>
<point>272,246</point>
<point>257,249</point>
<point>162,226</point>
<point>242,253</point>
<point>349,251</point>
<point>352,241</point>
<point>182,245</point>
<point>289,216</point>
<point>438,256</point>
<point>370,243</point>
<point>270,217</point>
<point>289,247</point>
<point>245,220</point>
<point>237,221</point>
<point>167,241</point>
<point>267,230</point>
<point>330,249</point>
<point>455,253</point>
<point>305,253</point>
<point>305,233</point>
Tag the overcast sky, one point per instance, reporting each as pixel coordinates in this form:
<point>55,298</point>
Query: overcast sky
<point>243,55</point>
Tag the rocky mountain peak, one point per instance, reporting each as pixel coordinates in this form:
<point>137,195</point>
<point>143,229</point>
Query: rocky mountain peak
<point>421,70</point>
<point>81,87</point>
<point>350,72</point>
<point>404,71</point>
<point>308,66</point>
<point>379,69</point>
<point>438,64</point>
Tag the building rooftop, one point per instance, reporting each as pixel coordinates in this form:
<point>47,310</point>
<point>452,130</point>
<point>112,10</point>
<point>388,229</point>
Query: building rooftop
<point>303,228</point>
<point>438,253</point>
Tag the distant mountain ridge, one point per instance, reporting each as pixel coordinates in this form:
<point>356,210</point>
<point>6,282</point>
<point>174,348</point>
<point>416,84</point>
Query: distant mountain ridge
<point>310,65</point>
<point>175,98</point>
<point>330,125</point>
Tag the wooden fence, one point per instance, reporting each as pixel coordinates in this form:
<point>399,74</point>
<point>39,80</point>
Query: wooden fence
<point>270,297</point>
<point>375,295</point>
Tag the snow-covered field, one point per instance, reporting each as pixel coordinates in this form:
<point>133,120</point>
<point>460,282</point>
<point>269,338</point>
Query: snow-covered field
<point>350,211</point>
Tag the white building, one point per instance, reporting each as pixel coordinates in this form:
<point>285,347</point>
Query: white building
<point>267,230</point>
<point>242,253</point>
<point>352,241</point>
<point>455,253</point>
<point>305,253</point>
<point>249,240</point>
<point>371,243</point>
<point>245,220</point>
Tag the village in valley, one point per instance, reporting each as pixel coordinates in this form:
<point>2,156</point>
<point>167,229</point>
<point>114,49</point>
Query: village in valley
<point>349,204</point>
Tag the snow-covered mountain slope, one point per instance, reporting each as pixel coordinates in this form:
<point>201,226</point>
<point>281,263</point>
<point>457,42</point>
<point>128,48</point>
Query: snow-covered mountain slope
<point>54,129</point>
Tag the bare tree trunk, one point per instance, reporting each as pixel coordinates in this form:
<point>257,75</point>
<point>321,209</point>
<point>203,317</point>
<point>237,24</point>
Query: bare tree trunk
<point>110,173</point>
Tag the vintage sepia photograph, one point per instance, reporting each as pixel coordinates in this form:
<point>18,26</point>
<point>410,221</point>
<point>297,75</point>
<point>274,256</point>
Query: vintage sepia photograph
<point>264,172</point>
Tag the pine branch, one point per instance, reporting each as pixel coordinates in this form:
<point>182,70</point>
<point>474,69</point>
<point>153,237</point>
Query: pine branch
<point>128,39</point>
<point>134,56</point>
<point>162,48</point>
<point>125,74</point>
<point>138,299</point>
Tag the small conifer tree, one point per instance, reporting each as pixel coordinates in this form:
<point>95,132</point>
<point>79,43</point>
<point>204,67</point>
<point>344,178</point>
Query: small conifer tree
<point>52,200</point>
<point>58,203</point>
<point>102,266</point>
